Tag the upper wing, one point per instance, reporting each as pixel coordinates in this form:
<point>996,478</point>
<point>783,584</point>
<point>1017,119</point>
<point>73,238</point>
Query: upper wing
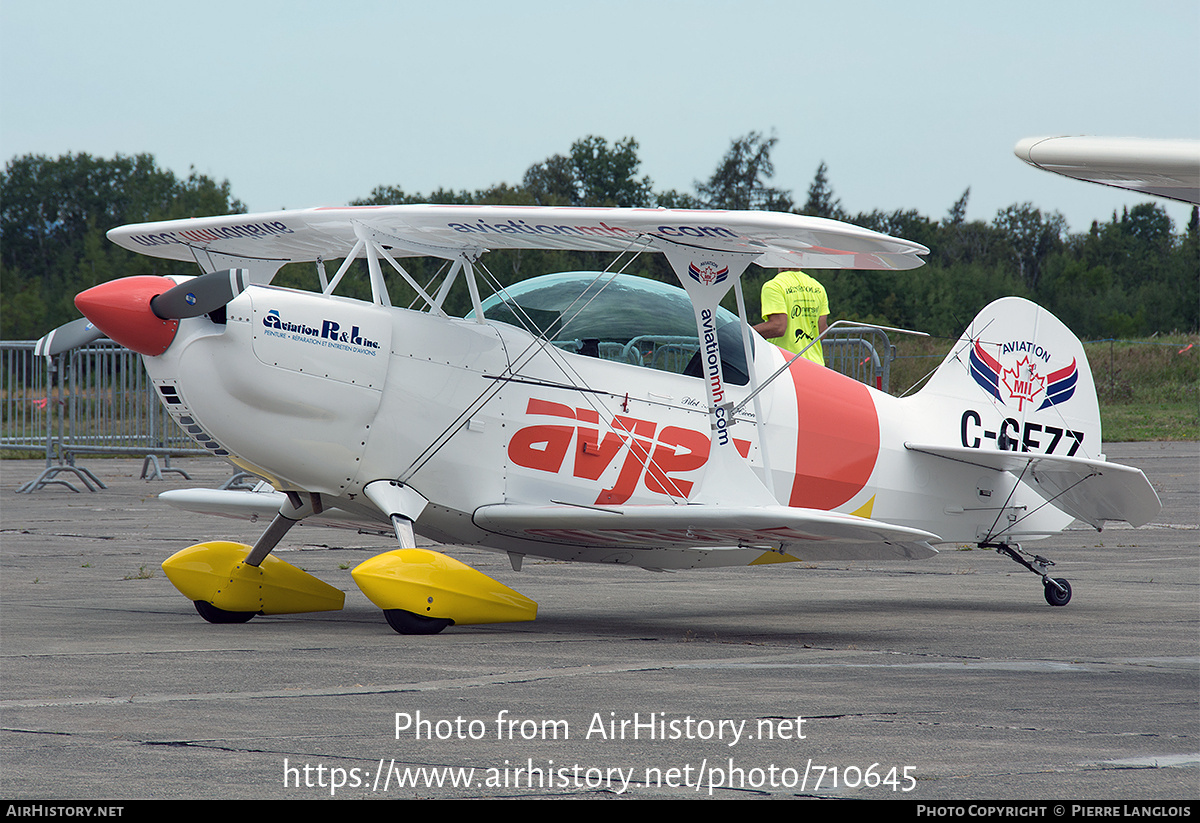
<point>806,534</point>
<point>1167,168</point>
<point>1092,490</point>
<point>778,240</point>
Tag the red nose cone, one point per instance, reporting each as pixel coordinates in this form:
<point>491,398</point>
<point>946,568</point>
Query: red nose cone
<point>121,309</point>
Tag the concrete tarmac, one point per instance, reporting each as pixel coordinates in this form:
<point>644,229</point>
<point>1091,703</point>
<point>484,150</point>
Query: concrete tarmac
<point>943,679</point>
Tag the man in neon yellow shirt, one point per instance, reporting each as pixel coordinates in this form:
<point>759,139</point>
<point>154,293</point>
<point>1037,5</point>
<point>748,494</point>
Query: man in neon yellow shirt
<point>795,310</point>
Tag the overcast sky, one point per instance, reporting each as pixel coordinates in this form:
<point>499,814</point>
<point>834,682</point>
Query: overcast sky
<point>303,103</point>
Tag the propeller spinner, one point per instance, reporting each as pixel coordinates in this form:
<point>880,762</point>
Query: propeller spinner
<point>142,313</point>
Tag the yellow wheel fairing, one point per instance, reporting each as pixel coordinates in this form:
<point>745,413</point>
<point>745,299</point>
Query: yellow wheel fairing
<point>216,573</point>
<point>431,584</point>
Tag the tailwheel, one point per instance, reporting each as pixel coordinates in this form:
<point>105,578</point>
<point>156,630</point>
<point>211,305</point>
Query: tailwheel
<point>406,622</point>
<point>1058,591</point>
<point>214,615</point>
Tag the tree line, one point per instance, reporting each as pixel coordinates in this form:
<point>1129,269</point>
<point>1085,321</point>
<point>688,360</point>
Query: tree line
<point>1132,276</point>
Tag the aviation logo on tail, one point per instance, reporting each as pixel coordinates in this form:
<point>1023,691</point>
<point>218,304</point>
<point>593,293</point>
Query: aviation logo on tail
<point>1023,382</point>
<point>707,273</point>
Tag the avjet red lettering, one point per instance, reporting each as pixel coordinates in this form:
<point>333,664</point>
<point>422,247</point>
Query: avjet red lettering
<point>653,455</point>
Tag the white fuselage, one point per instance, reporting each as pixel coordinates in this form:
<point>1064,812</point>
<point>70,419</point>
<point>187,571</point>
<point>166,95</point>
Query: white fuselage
<point>325,394</point>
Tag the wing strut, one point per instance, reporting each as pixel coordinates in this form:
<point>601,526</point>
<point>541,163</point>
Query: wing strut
<point>707,275</point>
<point>760,422</point>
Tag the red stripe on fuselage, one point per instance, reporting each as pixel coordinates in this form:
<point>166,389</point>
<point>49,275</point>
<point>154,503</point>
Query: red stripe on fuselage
<point>837,436</point>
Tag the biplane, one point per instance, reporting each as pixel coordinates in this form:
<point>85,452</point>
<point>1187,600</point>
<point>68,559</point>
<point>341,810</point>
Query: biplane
<point>582,416</point>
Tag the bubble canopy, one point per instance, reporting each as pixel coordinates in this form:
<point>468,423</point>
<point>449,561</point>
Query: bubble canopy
<point>618,317</point>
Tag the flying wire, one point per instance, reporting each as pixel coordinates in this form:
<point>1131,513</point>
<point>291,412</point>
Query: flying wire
<point>541,343</point>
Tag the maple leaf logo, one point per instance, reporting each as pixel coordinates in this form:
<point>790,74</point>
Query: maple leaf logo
<point>1023,382</point>
<point>708,273</point>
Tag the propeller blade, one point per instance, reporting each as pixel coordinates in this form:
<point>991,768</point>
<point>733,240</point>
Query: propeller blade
<point>200,295</point>
<point>68,336</point>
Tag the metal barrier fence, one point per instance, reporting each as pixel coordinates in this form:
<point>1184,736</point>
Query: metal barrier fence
<point>863,353</point>
<point>26,410</point>
<point>93,400</point>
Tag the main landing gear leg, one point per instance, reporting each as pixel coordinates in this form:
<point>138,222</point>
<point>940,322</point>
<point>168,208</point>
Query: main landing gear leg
<point>1057,590</point>
<point>293,511</point>
<point>290,513</point>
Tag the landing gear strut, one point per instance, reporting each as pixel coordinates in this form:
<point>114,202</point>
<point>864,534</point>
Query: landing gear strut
<point>1057,590</point>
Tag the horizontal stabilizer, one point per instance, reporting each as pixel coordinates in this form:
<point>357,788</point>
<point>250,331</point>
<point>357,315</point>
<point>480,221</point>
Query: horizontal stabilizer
<point>1092,490</point>
<point>807,534</point>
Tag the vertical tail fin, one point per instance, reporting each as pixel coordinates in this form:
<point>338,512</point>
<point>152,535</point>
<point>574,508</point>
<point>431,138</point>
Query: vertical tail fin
<point>1023,383</point>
